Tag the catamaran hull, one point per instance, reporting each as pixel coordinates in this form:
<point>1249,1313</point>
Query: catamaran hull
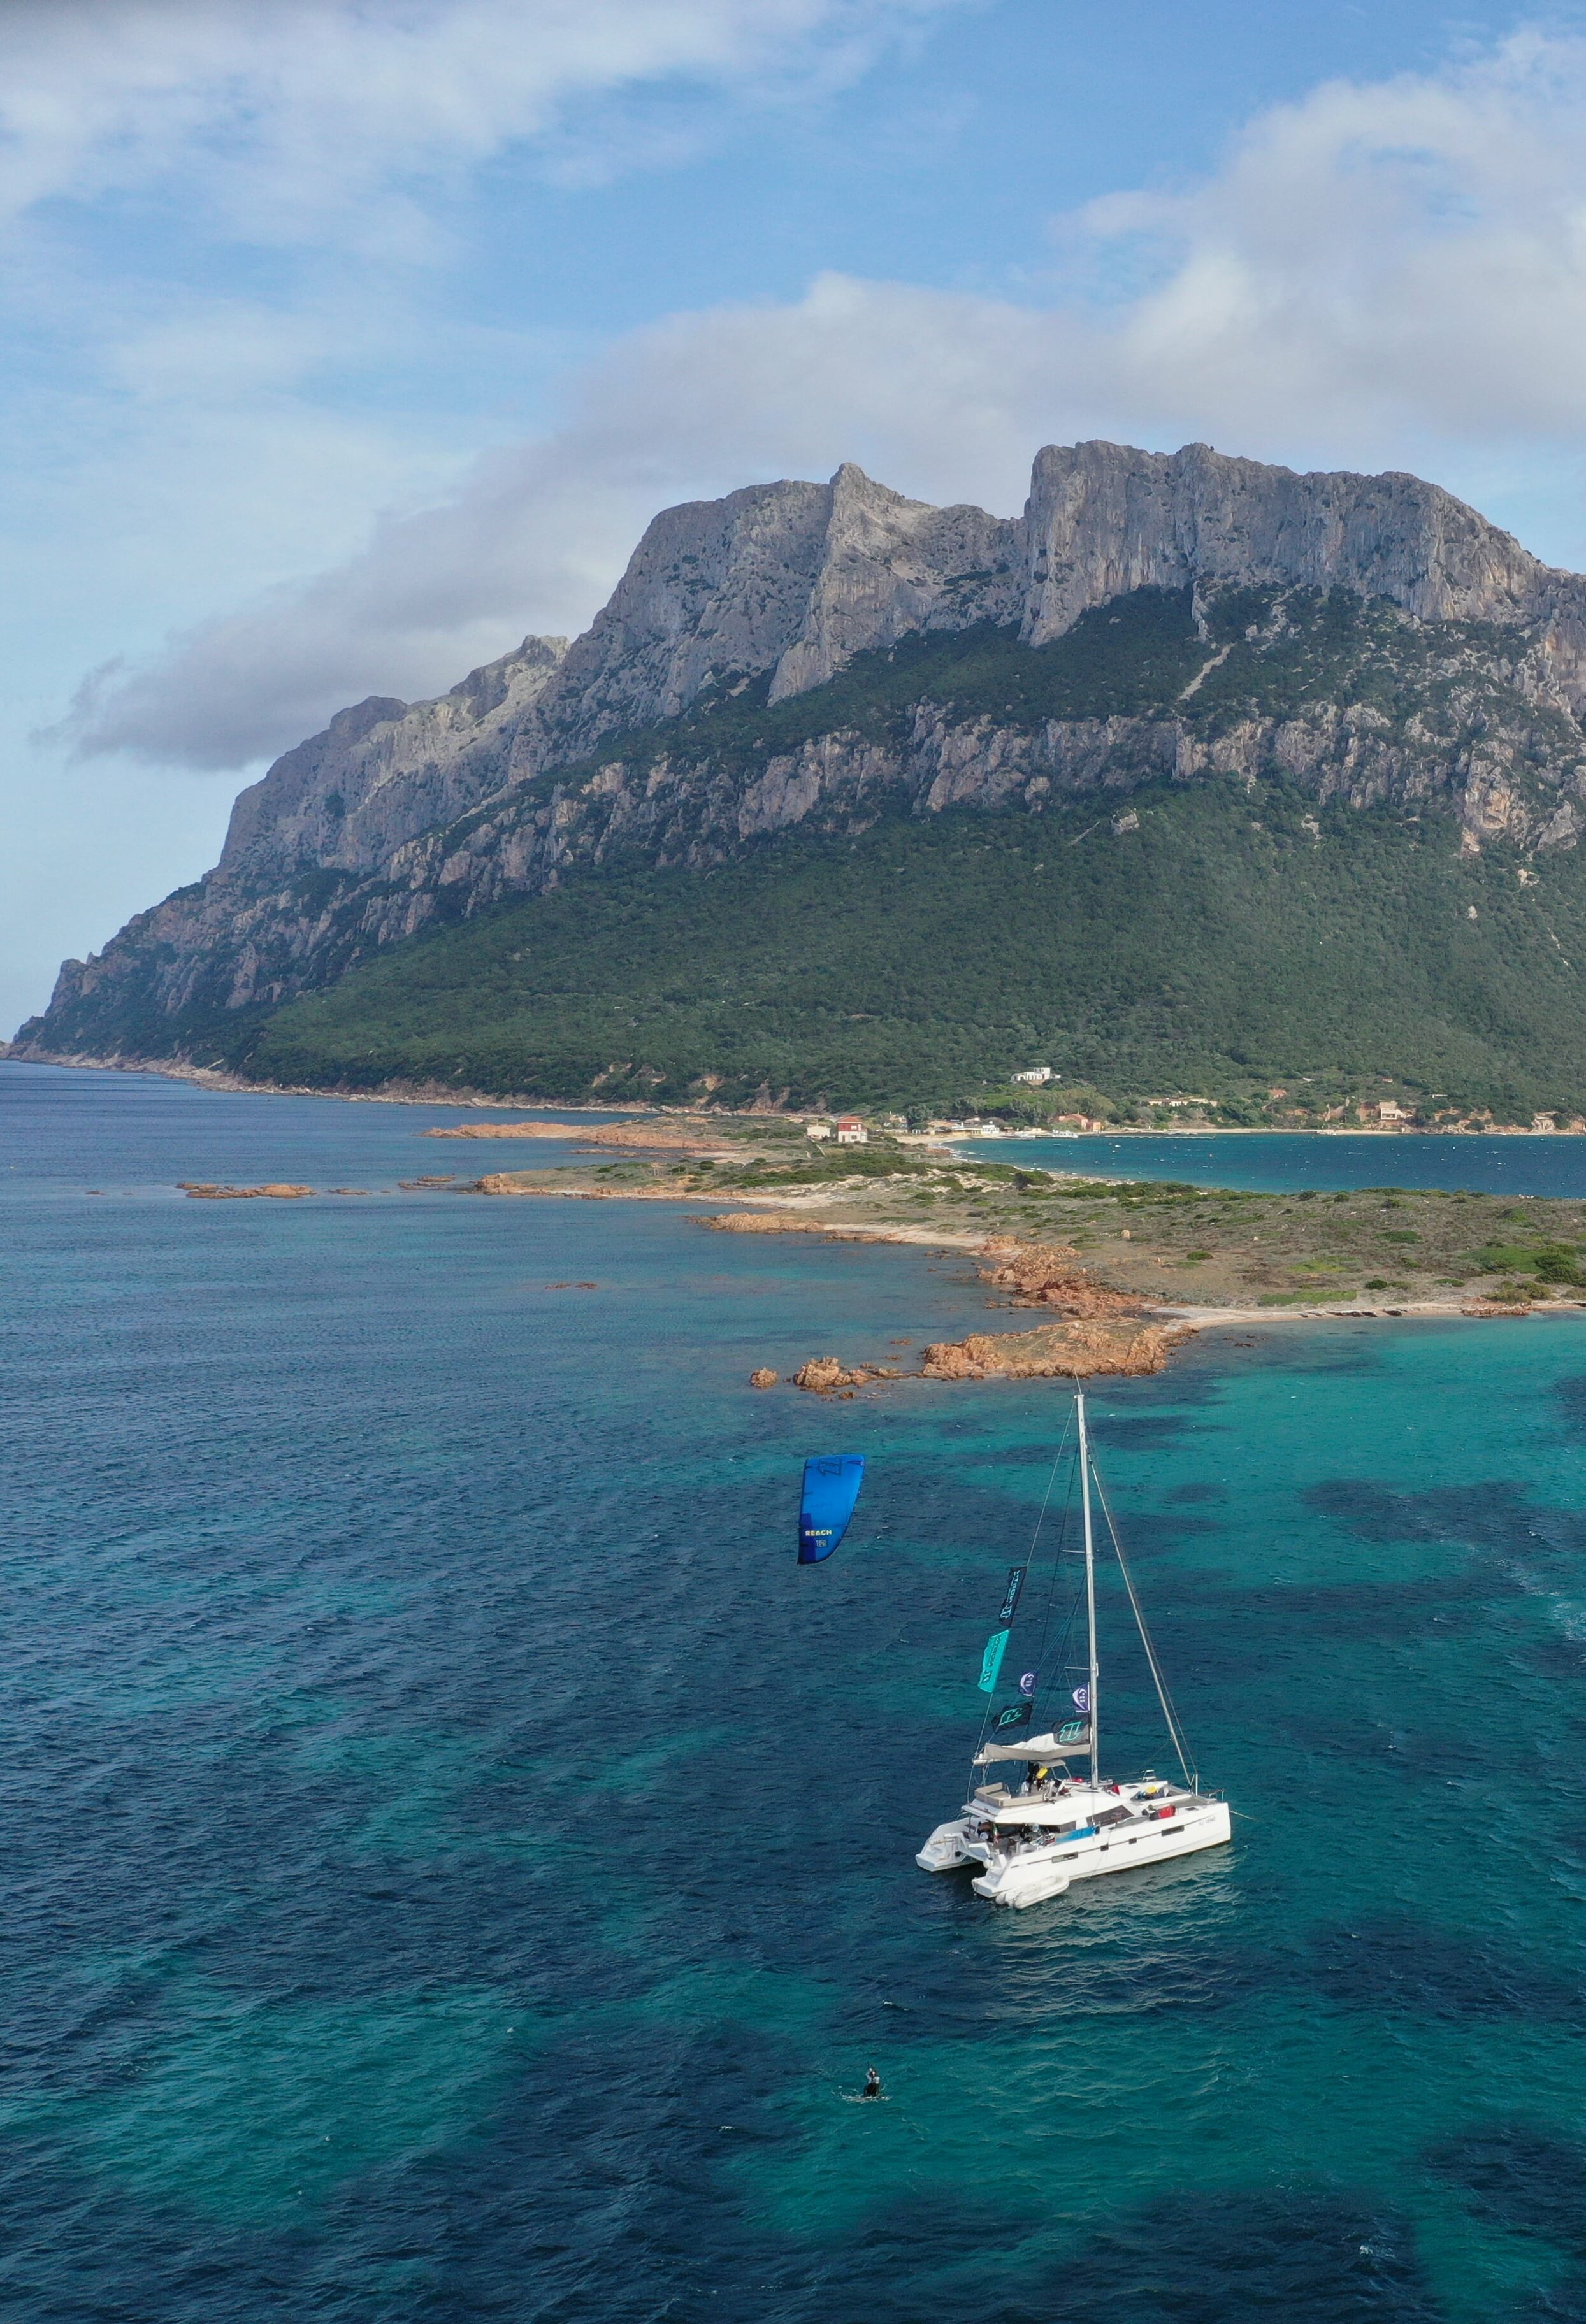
<point>1030,1880</point>
<point>1020,1885</point>
<point>945,1849</point>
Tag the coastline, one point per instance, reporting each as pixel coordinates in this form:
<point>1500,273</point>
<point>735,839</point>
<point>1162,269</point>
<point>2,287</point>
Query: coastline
<point>1258,1130</point>
<point>1120,1269</point>
<point>440,1093</point>
<point>1095,1328</point>
<point>390,1094</point>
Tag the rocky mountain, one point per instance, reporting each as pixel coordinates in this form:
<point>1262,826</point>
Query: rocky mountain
<point>383,772</point>
<point>817,655</point>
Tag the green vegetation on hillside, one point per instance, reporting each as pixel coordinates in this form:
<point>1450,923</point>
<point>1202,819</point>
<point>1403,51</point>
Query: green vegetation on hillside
<point>1237,935</point>
<point>1232,941</point>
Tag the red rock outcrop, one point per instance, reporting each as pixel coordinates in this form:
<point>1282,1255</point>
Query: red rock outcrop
<point>196,1192</point>
<point>1050,1275</point>
<point>822,1374</point>
<point>1053,1350</point>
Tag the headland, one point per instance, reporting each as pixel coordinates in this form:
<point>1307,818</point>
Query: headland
<point>1121,1271</point>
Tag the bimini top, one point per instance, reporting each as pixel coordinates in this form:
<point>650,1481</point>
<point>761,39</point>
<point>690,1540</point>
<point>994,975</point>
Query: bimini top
<point>1075,1741</point>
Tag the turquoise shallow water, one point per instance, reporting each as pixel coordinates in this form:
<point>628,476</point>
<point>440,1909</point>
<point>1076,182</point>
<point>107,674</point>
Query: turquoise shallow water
<point>458,1865</point>
<point>1273,1160</point>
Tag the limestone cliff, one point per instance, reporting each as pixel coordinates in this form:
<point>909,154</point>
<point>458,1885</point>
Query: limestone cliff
<point>383,771</point>
<point>400,816</point>
<point>1103,519</point>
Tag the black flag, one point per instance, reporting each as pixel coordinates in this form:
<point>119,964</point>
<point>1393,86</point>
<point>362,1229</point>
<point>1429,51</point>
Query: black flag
<point>1012,1714</point>
<point>1010,1596</point>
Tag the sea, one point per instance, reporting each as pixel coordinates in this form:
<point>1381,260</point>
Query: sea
<point>1278,1161</point>
<point>455,1864</point>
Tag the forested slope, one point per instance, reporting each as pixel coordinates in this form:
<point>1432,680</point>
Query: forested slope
<point>1235,935</point>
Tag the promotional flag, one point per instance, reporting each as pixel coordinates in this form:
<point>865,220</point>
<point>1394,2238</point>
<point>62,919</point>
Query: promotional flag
<point>1011,1595</point>
<point>992,1661</point>
<point>1012,1714</point>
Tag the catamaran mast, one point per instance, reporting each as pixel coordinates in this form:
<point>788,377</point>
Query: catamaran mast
<point>1084,1488</point>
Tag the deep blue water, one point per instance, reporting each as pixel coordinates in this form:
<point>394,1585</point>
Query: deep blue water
<point>1275,1160</point>
<point>457,1866</point>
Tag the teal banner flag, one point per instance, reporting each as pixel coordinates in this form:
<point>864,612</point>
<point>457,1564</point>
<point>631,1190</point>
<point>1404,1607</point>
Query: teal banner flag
<point>992,1661</point>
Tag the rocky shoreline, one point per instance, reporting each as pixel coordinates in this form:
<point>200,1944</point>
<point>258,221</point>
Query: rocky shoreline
<point>1121,1273</point>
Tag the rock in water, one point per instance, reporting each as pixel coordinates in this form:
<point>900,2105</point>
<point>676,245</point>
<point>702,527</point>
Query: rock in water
<point>197,1191</point>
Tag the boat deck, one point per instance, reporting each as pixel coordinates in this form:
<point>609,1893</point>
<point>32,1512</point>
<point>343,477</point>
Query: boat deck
<point>1054,1805</point>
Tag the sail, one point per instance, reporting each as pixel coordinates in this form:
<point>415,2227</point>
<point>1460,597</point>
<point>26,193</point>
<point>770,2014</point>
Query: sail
<point>831,1488</point>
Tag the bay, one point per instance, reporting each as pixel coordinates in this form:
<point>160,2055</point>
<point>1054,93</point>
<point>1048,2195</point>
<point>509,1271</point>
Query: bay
<point>1275,1161</point>
<point>457,1865</point>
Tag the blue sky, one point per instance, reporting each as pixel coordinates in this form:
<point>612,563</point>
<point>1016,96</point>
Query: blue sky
<point>350,339</point>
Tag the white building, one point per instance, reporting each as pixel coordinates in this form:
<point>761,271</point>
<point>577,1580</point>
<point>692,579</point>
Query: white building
<point>1036,1075</point>
<point>819,1130</point>
<point>851,1131</point>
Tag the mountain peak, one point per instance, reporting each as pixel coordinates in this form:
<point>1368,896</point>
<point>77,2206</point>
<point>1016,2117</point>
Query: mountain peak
<point>1105,518</point>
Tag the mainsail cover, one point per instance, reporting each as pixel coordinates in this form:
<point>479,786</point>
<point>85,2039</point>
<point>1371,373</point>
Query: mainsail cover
<point>1065,1746</point>
<point>831,1488</point>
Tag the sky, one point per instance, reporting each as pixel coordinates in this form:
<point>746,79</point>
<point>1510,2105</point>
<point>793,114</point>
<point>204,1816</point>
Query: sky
<point>349,341</point>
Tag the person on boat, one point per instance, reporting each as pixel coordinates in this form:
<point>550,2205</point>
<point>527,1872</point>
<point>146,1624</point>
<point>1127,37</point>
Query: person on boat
<point>872,2084</point>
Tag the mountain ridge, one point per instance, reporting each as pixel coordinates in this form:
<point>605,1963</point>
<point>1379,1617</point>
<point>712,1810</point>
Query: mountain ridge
<point>800,654</point>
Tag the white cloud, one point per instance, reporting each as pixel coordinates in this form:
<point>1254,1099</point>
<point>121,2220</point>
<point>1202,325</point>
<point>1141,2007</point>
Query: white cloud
<point>943,393</point>
<point>1389,275</point>
<point>288,115</point>
<point>1405,256</point>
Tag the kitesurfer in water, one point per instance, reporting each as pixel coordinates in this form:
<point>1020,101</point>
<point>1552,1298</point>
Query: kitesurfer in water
<point>872,2084</point>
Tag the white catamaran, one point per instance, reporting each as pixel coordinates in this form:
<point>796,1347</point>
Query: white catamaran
<point>1032,1836</point>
